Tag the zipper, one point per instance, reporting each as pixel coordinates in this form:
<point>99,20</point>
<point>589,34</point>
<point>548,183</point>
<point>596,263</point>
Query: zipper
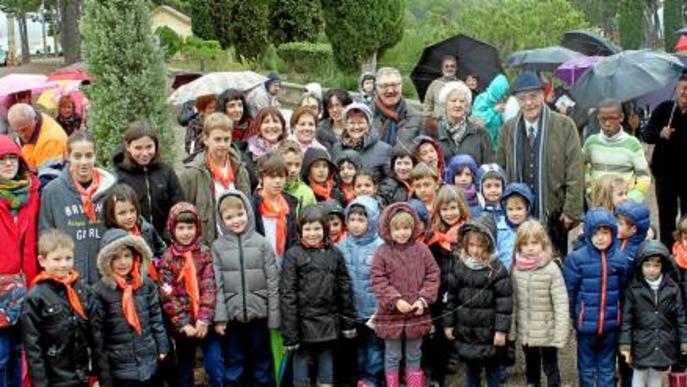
<point>580,317</point>
<point>243,281</point>
<point>604,280</point>
<point>150,199</point>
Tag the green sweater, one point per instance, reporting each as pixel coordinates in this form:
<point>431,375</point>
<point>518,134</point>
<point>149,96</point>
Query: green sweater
<point>302,192</point>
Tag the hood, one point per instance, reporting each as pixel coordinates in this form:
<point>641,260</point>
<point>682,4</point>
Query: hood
<point>497,89</point>
<point>107,180</point>
<point>364,76</point>
<point>372,209</point>
<point>595,218</point>
<point>486,170</point>
<point>522,190</point>
<point>639,214</point>
<point>175,211</point>
<point>384,229</point>
<point>314,154</point>
<point>349,155</point>
<point>485,224</point>
<point>250,226</point>
<point>457,163</point>
<point>331,206</point>
<point>9,147</point>
<point>110,245</point>
<point>421,139</point>
<point>361,107</point>
<point>652,248</point>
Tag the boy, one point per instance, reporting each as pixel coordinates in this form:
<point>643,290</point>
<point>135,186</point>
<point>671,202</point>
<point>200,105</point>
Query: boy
<point>428,150</point>
<point>425,182</point>
<point>491,181</point>
<point>318,172</point>
<point>634,221</point>
<point>55,318</point>
<point>337,221</point>
<point>362,217</point>
<point>293,157</point>
<point>517,201</point>
<point>247,293</point>
<point>594,277</point>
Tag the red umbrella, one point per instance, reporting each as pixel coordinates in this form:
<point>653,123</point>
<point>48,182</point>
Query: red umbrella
<point>681,44</point>
<point>73,72</point>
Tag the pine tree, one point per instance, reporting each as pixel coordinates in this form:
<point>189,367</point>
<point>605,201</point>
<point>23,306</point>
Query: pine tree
<point>295,20</point>
<point>128,72</point>
<point>672,21</point>
<point>250,29</point>
<point>631,24</point>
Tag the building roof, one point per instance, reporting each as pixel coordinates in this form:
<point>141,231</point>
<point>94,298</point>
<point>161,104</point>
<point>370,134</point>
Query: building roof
<point>165,8</point>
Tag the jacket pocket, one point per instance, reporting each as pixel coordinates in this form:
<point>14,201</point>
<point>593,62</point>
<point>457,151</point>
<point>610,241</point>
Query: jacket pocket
<point>580,315</point>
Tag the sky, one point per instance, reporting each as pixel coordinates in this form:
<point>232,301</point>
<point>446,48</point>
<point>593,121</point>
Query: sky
<point>35,37</point>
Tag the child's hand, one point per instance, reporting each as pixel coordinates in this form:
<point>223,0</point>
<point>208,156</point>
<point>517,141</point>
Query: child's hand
<point>220,329</point>
<point>628,356</point>
<point>201,330</point>
<point>162,356</point>
<point>188,330</point>
<point>448,332</point>
<point>419,308</point>
<point>403,307</point>
<point>499,339</point>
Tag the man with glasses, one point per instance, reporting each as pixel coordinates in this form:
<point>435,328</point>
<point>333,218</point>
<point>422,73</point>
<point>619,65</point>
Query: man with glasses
<point>449,69</point>
<point>541,148</point>
<point>392,118</point>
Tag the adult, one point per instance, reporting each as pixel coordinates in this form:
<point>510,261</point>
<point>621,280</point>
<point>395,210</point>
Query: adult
<point>269,131</point>
<point>264,95</point>
<point>667,128</point>
<point>9,101</point>
<point>156,184</point>
<point>43,141</point>
<point>193,143</point>
<point>331,126</point>
<point>359,136</point>
<point>311,101</point>
<point>303,125</point>
<point>541,148</point>
<point>391,115</point>
<point>232,102</point>
<point>397,186</point>
<point>449,68</point>
<point>456,132</point>
<point>67,116</point>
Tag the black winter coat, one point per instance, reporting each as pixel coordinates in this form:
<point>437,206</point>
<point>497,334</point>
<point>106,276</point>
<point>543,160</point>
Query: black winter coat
<point>291,220</point>
<point>315,295</point>
<point>479,304</point>
<point>57,340</point>
<point>446,262</point>
<point>130,356</point>
<point>392,191</point>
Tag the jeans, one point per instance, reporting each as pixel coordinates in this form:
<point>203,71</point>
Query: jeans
<point>537,358</point>
<point>10,357</point>
<point>320,354</point>
<point>473,372</point>
<point>370,355</point>
<point>596,359</point>
<point>248,345</point>
<point>213,362</point>
<point>393,354</point>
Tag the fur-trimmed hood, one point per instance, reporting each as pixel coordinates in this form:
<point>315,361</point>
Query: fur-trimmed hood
<point>110,245</point>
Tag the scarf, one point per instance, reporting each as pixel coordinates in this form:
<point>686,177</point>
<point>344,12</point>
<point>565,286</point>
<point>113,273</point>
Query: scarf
<point>68,284</point>
<point>352,143</point>
<point>341,237</point>
<point>680,255</point>
<point>128,288</point>
<point>15,192</point>
<point>654,283</point>
<point>320,245</point>
<point>445,239</point>
<point>218,173</point>
<point>323,191</point>
<point>391,118</point>
<point>279,214</point>
<point>189,276</point>
<point>523,263</point>
<point>348,192</point>
<point>455,132</point>
<point>540,180</point>
<point>473,263</point>
<point>470,194</point>
<point>152,270</point>
<point>258,146</point>
<point>87,194</point>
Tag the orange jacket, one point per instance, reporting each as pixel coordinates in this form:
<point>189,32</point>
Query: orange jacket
<point>48,144</point>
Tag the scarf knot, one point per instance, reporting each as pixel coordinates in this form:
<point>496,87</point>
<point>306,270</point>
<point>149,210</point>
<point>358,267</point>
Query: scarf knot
<point>128,288</point>
<point>87,193</point>
<point>323,190</point>
<point>224,175</point>
<point>68,283</point>
<point>445,239</point>
<point>277,212</point>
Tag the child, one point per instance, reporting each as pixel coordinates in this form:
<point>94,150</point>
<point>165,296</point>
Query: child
<point>337,221</point>
<point>405,280</point>
<point>364,183</point>
<point>462,172</point>
<point>594,277</point>
<point>540,303</point>
<point>366,92</point>
<point>294,186</point>
<point>491,183</point>
<point>247,293</point>
<point>362,216</point>
<point>58,337</point>
<point>654,328</point>
<point>428,151</point>
<point>478,307</point>
<point>315,299</point>
<point>425,182</point>
<point>518,202</point>
<point>634,222</point>
<point>128,316</point>
<point>188,293</point>
<point>397,188</point>
<point>318,172</point>
<point>608,191</point>
<point>348,163</point>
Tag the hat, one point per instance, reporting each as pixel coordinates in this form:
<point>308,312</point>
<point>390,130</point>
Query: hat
<point>271,78</point>
<point>527,80</point>
<point>360,107</point>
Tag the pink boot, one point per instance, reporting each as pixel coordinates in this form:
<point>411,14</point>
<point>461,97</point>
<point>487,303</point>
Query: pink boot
<point>677,379</point>
<point>415,378</point>
<point>362,384</point>
<point>391,378</point>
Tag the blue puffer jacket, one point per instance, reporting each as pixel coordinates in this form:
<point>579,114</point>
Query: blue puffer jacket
<point>483,107</point>
<point>506,231</point>
<point>595,279</point>
<point>358,253</point>
<point>640,215</point>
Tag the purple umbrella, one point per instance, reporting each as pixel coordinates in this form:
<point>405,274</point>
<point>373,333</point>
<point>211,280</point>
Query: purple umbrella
<point>573,69</point>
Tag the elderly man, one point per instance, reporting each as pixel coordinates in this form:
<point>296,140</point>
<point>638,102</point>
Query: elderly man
<point>449,68</point>
<point>391,115</point>
<point>541,148</point>
<point>43,141</point>
<point>266,96</point>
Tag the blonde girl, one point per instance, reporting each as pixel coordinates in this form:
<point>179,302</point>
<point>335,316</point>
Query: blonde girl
<point>608,191</point>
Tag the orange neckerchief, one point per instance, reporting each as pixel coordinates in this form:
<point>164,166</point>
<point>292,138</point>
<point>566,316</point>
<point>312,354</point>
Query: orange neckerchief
<point>73,297</point>
<point>188,275</point>
<point>319,245</point>
<point>87,194</point>
<point>409,188</point>
<point>279,214</point>
<point>341,237</point>
<point>218,174</point>
<point>323,190</point>
<point>152,270</point>
<point>680,255</point>
<point>128,304</point>
<point>445,239</point>
<point>135,231</point>
<point>348,192</point>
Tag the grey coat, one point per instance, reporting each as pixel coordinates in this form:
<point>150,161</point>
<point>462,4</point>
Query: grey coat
<point>246,273</point>
<point>375,154</point>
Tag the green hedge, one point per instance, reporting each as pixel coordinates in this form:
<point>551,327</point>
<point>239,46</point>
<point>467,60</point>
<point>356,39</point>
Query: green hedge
<point>202,49</point>
<point>316,58</point>
<point>169,40</point>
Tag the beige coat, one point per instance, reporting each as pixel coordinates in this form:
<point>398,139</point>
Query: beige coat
<point>540,304</point>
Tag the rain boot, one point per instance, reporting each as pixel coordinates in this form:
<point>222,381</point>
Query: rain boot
<point>677,379</point>
<point>362,383</point>
<point>415,378</point>
<point>391,378</point>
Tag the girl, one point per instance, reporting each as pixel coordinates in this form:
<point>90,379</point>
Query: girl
<point>232,102</point>
<point>348,163</point>
<point>364,183</point>
<point>397,187</point>
<point>541,314</point>
<point>462,172</point>
<point>270,131</point>
<point>428,151</point>
<point>331,126</point>
<point>608,191</point>
<point>318,171</point>
<point>315,299</point>
<point>478,307</point>
<point>312,102</point>
<point>128,312</point>
<point>73,202</point>
<point>405,280</point>
<point>303,124</point>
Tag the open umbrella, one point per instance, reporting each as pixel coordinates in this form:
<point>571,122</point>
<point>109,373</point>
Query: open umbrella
<point>541,59</point>
<point>73,72</point>
<point>681,44</point>
<point>651,100</point>
<point>473,57</point>
<point>216,83</point>
<point>571,70</point>
<point>682,31</point>
<point>589,43</point>
<point>625,76</point>
<point>51,97</point>
<point>15,83</point>
<point>182,78</point>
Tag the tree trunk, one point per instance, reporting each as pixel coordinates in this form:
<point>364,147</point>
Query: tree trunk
<point>24,36</point>
<point>70,14</point>
<point>11,42</point>
<point>370,65</point>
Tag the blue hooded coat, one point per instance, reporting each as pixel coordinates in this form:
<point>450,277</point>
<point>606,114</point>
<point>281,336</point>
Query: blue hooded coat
<point>640,215</point>
<point>505,230</point>
<point>457,164</point>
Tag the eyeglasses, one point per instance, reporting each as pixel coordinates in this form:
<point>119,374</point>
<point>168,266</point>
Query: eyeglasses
<point>357,124</point>
<point>393,85</point>
<point>9,159</point>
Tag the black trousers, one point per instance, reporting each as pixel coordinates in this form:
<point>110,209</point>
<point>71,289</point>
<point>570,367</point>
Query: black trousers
<point>537,358</point>
<point>668,191</point>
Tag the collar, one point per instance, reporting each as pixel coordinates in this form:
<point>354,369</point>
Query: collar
<point>37,129</point>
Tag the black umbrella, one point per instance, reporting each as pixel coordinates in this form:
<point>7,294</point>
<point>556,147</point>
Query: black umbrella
<point>682,31</point>
<point>589,43</point>
<point>474,57</point>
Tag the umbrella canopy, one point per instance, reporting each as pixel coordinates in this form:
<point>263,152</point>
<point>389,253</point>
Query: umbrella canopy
<point>625,76</point>
<point>651,100</point>
<point>589,43</point>
<point>74,72</point>
<point>216,83</point>
<point>682,31</point>
<point>571,70</point>
<point>474,57</point>
<point>541,59</point>
<point>50,98</point>
<point>15,83</point>
<point>183,78</point>
<point>681,44</point>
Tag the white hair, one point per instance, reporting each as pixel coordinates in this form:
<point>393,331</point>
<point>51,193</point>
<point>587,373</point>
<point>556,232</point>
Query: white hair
<point>388,71</point>
<point>21,111</point>
<point>453,86</point>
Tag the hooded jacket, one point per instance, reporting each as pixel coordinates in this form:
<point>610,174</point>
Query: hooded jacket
<point>363,97</point>
<point>421,139</point>
<point>130,356</point>
<point>358,252</point>
<point>61,208</point>
<point>375,154</point>
<point>309,158</point>
<point>654,325</point>
<point>640,215</point>
<point>403,272</point>
<point>485,171</point>
<point>457,164</point>
<point>505,231</point>
<point>483,107</point>
<point>247,274</point>
<point>595,279</point>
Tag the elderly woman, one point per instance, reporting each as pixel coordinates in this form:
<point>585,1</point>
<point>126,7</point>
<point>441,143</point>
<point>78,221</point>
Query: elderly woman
<point>359,136</point>
<point>303,126</point>
<point>232,102</point>
<point>331,126</point>
<point>457,134</point>
<point>205,105</point>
